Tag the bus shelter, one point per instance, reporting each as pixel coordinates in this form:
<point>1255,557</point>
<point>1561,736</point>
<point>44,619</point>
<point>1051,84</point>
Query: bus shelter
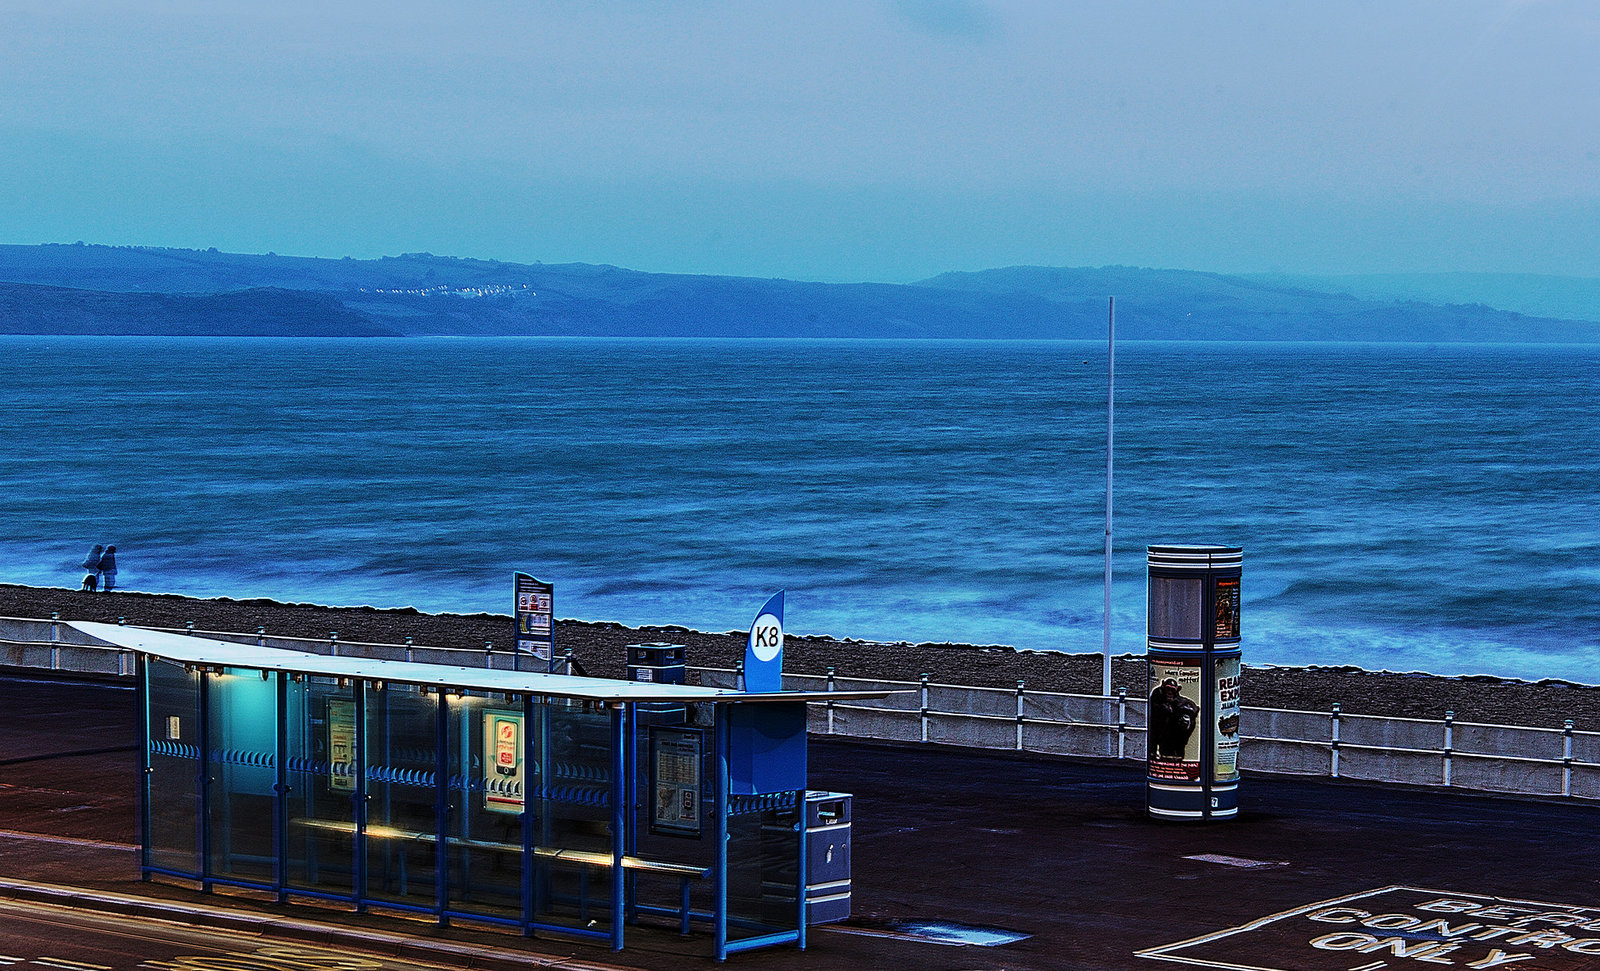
<point>547,803</point>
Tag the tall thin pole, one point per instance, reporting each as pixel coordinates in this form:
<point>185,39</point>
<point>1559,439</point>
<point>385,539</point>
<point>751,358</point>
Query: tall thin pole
<point>1111,398</point>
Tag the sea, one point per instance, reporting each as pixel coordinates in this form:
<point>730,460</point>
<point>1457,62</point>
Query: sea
<point>1401,507</point>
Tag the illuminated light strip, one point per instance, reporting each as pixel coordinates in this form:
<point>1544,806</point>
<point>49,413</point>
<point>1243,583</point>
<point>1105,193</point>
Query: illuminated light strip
<point>70,965</point>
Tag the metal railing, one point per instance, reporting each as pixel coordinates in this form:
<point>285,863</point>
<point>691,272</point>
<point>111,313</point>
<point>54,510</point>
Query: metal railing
<point>1555,761</point>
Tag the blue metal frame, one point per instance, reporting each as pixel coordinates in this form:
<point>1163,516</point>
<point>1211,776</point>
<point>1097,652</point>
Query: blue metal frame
<point>719,907</point>
<point>141,666</point>
<point>620,723</point>
<point>441,810</point>
<point>203,782</point>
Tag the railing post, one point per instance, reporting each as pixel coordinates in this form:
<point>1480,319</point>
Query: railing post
<point>1566,759</point>
<point>924,706</point>
<point>333,642</point>
<point>488,654</point>
<point>1020,716</point>
<point>738,674</point>
<point>832,687</point>
<point>261,637</point>
<point>1122,723</point>
<point>1449,742</point>
<point>408,648</point>
<point>55,640</point>
<point>1333,742</point>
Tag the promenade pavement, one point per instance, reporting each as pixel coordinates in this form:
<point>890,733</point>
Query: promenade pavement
<point>1313,875</point>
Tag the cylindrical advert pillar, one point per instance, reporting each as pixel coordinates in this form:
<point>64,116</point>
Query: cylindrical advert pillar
<point>1192,651</point>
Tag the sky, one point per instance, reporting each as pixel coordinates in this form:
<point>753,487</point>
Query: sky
<point>883,140</point>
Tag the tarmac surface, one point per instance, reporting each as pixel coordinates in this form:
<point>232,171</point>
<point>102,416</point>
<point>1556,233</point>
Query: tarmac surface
<point>1313,875</point>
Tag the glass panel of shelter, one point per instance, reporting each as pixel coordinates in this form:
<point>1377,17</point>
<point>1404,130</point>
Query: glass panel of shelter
<point>321,791</point>
<point>487,788</point>
<point>572,790</point>
<point>401,735</point>
<point>242,775</point>
<point>172,768</point>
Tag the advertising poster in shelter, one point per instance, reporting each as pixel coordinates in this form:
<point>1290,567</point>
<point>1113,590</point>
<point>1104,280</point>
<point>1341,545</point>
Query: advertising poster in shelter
<point>675,782</point>
<point>342,744</point>
<point>1226,742</point>
<point>502,761</point>
<point>1174,714</point>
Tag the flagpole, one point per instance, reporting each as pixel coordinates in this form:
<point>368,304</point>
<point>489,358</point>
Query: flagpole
<point>1111,397</point>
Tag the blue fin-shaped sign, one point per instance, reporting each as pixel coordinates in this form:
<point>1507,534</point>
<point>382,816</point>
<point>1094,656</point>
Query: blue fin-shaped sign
<point>763,658</point>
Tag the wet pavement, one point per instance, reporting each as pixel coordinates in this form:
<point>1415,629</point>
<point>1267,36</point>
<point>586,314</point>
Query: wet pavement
<point>1055,853</point>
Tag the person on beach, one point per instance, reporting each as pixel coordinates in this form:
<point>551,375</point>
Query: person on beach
<point>92,564</point>
<point>108,569</point>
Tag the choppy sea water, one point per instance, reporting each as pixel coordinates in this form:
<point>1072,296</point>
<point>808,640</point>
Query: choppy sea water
<point>1401,507</point>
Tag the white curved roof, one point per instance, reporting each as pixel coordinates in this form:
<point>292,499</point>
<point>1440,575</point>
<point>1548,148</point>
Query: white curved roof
<point>206,652</point>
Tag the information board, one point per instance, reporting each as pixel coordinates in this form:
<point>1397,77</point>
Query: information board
<point>535,616</point>
<point>675,780</point>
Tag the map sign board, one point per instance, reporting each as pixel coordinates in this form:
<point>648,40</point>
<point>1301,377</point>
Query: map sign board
<point>1397,928</point>
<point>535,614</point>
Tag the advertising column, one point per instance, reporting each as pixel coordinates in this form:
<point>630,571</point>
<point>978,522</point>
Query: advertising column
<point>1193,654</point>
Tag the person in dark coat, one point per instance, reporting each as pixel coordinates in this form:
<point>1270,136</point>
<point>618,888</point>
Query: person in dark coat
<point>92,564</point>
<point>108,569</point>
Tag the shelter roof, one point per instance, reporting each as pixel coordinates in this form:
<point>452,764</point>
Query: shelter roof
<point>211,653</point>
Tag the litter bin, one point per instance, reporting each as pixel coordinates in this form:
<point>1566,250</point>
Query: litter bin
<point>659,663</point>
<point>1193,656</point>
<point>827,857</point>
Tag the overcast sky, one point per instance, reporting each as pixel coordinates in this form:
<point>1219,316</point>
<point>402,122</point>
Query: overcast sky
<point>866,140</point>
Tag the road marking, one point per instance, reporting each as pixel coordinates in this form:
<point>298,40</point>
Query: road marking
<point>1237,861</point>
<point>1360,931</point>
<point>12,834</point>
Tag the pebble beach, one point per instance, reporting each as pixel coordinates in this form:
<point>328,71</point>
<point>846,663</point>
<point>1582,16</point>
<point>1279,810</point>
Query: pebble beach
<point>600,648</point>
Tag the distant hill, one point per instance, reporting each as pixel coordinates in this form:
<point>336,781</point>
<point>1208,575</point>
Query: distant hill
<point>84,289</point>
<point>260,312</point>
<point>1188,305</point>
<point>1571,298</point>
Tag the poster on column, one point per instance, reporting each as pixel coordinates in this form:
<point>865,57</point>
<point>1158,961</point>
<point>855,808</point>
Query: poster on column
<point>502,761</point>
<point>1226,741</point>
<point>1174,715</point>
<point>1227,617</point>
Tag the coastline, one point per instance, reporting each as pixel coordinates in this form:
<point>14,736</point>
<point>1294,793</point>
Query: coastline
<point>599,648</point>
